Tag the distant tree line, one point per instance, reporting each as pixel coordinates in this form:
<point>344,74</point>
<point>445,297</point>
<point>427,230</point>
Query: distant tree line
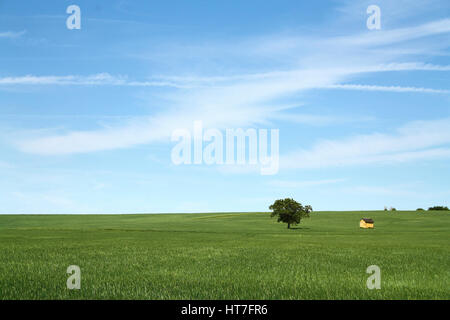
<point>438,208</point>
<point>435,208</point>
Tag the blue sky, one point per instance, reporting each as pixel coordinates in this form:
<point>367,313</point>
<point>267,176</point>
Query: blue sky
<point>86,115</point>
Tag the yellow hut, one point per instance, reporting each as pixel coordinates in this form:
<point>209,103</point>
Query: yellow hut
<point>366,223</point>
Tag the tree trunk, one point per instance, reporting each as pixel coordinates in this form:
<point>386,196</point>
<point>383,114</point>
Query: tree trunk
<point>289,225</point>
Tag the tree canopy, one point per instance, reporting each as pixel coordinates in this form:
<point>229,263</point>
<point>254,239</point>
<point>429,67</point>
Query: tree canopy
<point>289,211</point>
<point>438,208</point>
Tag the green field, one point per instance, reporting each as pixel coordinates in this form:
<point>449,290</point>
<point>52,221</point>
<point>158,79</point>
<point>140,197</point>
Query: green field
<point>225,256</point>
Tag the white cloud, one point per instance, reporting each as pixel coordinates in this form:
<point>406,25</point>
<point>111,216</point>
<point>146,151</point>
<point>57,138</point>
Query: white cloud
<point>230,106</point>
<point>192,82</point>
<point>394,36</point>
<point>94,79</point>
<point>413,66</point>
<point>134,133</point>
<point>417,140</point>
<point>319,120</point>
<point>231,101</point>
<point>385,88</point>
<point>12,34</point>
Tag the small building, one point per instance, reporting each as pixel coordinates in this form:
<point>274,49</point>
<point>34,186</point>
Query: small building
<point>366,223</point>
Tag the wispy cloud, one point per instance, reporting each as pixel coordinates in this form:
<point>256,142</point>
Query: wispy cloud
<point>319,120</point>
<point>187,82</point>
<point>416,140</point>
<point>104,79</point>
<point>385,37</point>
<point>414,66</point>
<point>364,87</point>
<point>133,133</point>
<point>238,100</point>
<point>12,34</point>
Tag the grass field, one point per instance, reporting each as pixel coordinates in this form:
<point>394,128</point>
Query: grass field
<point>225,256</point>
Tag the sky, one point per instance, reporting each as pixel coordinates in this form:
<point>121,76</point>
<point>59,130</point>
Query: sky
<point>87,115</point>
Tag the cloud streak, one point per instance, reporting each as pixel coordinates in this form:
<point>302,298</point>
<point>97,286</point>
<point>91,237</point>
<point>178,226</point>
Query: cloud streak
<point>12,34</point>
<point>395,36</point>
<point>385,88</point>
<point>99,79</point>
<point>415,141</point>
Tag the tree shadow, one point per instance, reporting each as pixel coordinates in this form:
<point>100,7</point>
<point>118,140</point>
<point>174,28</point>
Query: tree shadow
<point>299,228</point>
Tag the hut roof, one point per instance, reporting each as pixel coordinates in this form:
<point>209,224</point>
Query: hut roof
<point>368,220</point>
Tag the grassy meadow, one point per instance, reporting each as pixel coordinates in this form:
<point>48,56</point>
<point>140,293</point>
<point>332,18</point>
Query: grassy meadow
<point>225,256</point>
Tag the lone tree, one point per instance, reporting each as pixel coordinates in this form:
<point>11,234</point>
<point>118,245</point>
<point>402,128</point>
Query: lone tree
<point>289,211</point>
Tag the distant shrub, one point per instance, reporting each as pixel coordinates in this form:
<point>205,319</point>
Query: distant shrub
<point>393,209</point>
<point>420,209</point>
<point>438,208</point>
